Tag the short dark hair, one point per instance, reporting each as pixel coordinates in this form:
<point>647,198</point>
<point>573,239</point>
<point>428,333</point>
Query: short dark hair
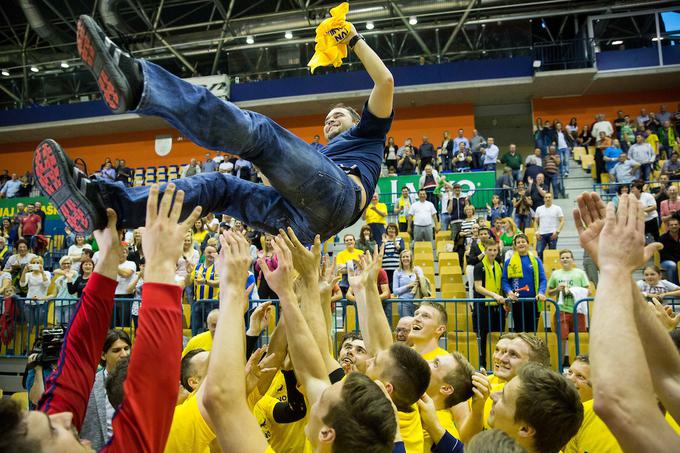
<point>115,380</point>
<point>485,229</point>
<point>409,375</point>
<point>363,420</point>
<point>13,429</point>
<point>349,336</point>
<point>112,336</point>
<point>639,184</point>
<point>620,188</point>
<point>563,251</point>
<point>460,379</point>
<point>21,241</point>
<point>550,404</point>
<point>538,351</point>
<point>186,368</point>
<point>87,252</point>
<point>352,113</point>
<point>493,441</point>
<point>519,236</point>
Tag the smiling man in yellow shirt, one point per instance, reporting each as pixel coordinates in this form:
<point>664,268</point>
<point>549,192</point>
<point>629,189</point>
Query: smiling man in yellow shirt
<point>376,218</point>
<point>428,326</point>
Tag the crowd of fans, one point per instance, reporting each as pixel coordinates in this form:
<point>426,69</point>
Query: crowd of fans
<point>438,400</point>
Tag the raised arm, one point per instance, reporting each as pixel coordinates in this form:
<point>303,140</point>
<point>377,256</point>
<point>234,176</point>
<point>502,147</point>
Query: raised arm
<point>307,360</point>
<point>225,383</point>
<point>374,326</point>
<point>380,100</point>
<point>628,407</point>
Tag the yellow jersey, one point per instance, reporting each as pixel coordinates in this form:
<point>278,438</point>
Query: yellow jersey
<point>435,353</point>
<point>593,435</point>
<point>653,140</point>
<point>277,388</point>
<point>405,204</point>
<point>345,256</point>
<point>189,432</point>
<point>374,217</point>
<point>411,429</point>
<point>201,341</point>
<point>283,437</point>
<point>446,420</point>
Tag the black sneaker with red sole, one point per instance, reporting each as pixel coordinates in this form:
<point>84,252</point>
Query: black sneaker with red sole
<point>67,188</point>
<point>118,74</point>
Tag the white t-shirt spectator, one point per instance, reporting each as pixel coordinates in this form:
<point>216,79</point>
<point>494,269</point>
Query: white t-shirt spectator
<point>5,276</point>
<point>491,155</point>
<point>662,286</point>
<point>561,141</point>
<point>16,259</point>
<point>422,213</point>
<point>76,251</point>
<point>548,218</point>
<point>603,125</point>
<point>123,282</point>
<point>641,153</point>
<point>647,200</point>
<point>37,284</point>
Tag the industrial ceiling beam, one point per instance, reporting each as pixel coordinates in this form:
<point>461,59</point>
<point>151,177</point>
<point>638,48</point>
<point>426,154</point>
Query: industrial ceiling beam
<point>410,28</point>
<point>459,25</point>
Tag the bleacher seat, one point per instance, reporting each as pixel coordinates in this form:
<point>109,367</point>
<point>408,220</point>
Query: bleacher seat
<point>551,261</point>
<point>444,247</point>
<point>407,239</point>
<point>586,161</point>
<point>453,290</point>
<point>466,344</point>
<point>531,234</point>
<point>583,344</point>
<point>460,316</point>
<point>578,151</point>
<point>449,278</point>
<point>448,259</point>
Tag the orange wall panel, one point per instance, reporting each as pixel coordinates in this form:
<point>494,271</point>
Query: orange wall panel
<point>584,108</point>
<point>137,148</point>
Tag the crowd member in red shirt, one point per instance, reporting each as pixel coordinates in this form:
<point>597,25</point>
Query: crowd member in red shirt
<point>30,225</point>
<point>142,422</point>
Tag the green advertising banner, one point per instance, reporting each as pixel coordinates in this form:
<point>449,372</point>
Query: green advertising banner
<point>478,186</point>
<point>53,223</point>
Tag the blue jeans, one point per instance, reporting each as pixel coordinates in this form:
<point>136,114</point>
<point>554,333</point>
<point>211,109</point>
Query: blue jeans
<point>671,268</point>
<point>406,308</point>
<point>309,192</point>
<point>554,181</point>
<point>544,241</point>
<point>523,221</point>
<point>645,171</point>
<point>564,160</point>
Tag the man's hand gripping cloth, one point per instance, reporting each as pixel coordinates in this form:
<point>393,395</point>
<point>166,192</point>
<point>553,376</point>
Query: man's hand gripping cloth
<point>329,50</point>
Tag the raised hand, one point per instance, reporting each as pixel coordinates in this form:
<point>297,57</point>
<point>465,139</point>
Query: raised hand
<point>305,261</point>
<point>366,271</point>
<point>234,259</point>
<point>665,314</point>
<point>328,278</point>
<point>280,280</point>
<point>481,387</point>
<point>589,218</point>
<point>163,236</point>
<point>259,319</point>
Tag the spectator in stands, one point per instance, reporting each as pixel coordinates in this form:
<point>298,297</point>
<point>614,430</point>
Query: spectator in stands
<point>463,158</point>
<point>36,280</point>
<point>30,225</point>
<point>663,115</point>
<point>456,209</point>
<point>69,237</point>
<point>627,133</point>
<point>4,177</point>
<point>36,377</point>
<point>124,173</point>
<point>537,190</point>
<point>404,282</point>
<point>445,194</point>
<point>564,143</point>
<point>534,159</point>
<point>366,242</point>
<point>423,217</point>
<point>642,118</point>
<point>505,185</point>
<point>625,170</point>
<point>670,206</point>
<point>267,255</point>
<point>642,153</point>
<point>383,292</point>
<point>4,252</point>
<point>510,230</point>
<point>603,142</point>
<point>86,268</point>
<point>460,138</point>
<point>572,128</point>
<point>546,137</point>
<point>345,260</point>
<point>40,213</point>
<point>567,285</point>
<point>585,138</point>
<point>522,204</point>
<point>488,316</point>
<point>209,165</point>
<point>393,245</point>
<point>402,208</point>
<point>11,187</point>
<point>97,424</point>
<point>524,277</point>
<point>108,173</point>
<point>193,168</point>
<point>206,286</point>
<point>204,340</point>
<point>549,223</point>
<point>653,286</point>
<point>474,253</point>
<point>653,140</point>
<point>75,252</point>
<point>602,125</point>
<point>427,153</point>
<point>390,154</point>
<point>538,408</point>
<point>446,151</point>
<point>226,168</point>
<point>6,231</point>
<point>496,210</point>
<point>611,158</point>
<point>670,253</point>
<point>126,273</point>
<point>667,138</point>
<point>672,167</point>
<point>199,233</point>
<point>513,160</point>
<point>477,142</point>
<point>375,216</point>
<point>17,262</point>
<point>243,169</point>
<point>403,329</point>
<point>551,167</point>
<point>65,302</point>
<point>469,222</point>
<point>430,181</point>
<point>653,124</point>
<point>490,155</point>
<point>649,205</point>
<point>407,163</point>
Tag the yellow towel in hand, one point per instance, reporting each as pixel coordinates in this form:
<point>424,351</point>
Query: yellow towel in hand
<point>329,33</point>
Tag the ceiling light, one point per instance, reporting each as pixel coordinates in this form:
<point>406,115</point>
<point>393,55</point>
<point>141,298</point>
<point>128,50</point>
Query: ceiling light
<point>250,39</point>
<point>657,39</point>
<point>618,42</point>
<point>370,26</point>
<point>289,35</point>
<point>64,65</point>
<point>413,20</point>
<point>34,69</point>
<point>5,72</point>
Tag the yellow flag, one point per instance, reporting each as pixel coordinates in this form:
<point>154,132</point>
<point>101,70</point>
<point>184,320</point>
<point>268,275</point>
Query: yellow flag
<point>328,49</point>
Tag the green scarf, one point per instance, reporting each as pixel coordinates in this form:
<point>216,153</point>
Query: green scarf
<point>515,268</point>
<point>492,277</point>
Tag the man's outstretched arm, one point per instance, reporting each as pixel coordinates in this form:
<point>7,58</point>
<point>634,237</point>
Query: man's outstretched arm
<point>380,100</point>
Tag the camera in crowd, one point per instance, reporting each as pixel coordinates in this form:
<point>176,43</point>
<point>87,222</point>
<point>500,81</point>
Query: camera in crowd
<point>47,347</point>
